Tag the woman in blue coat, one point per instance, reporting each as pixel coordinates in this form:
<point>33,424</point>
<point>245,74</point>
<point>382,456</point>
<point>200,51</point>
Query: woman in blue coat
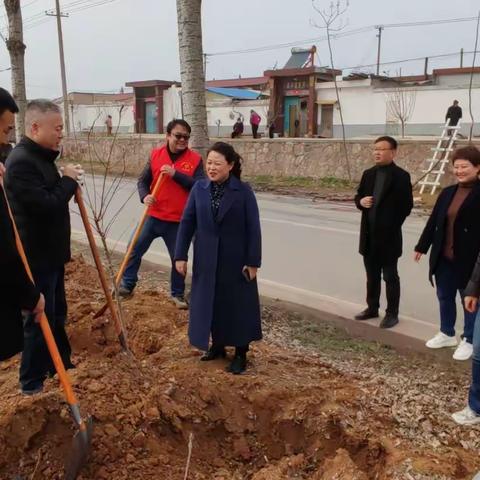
<point>222,215</point>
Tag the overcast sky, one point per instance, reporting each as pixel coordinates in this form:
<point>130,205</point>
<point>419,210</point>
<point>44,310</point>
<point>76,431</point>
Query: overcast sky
<point>129,40</point>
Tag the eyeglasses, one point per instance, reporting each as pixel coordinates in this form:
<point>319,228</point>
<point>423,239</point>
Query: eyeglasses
<point>179,136</point>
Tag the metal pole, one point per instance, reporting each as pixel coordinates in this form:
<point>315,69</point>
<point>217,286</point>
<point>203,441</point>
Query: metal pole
<point>379,36</point>
<point>426,67</point>
<point>461,58</point>
<point>62,67</point>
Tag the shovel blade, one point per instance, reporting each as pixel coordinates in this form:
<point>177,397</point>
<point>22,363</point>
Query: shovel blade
<point>81,445</point>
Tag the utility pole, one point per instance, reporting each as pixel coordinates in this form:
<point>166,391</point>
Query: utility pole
<point>425,70</point>
<point>379,36</point>
<point>59,16</point>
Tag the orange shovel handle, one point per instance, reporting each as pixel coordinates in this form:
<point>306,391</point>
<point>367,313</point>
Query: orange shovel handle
<point>158,184</point>
<point>160,181</point>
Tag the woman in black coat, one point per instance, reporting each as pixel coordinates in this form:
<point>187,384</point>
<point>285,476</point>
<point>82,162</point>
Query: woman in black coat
<point>453,233</point>
<point>222,215</point>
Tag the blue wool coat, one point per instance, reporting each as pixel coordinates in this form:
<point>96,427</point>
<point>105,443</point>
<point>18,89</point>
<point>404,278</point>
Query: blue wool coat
<point>223,303</point>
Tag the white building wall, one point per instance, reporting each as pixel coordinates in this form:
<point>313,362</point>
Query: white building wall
<point>92,117</point>
<point>172,104</point>
<point>365,107</point>
<point>222,115</point>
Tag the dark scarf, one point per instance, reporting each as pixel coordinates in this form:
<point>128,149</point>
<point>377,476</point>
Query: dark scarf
<point>217,190</point>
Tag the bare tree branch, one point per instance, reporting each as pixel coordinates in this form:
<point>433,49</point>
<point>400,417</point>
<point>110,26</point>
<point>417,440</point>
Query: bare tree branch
<point>330,17</point>
<point>470,137</point>
<point>401,105</point>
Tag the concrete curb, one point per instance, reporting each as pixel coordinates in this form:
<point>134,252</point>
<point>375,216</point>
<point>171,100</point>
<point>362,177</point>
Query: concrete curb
<point>410,334</point>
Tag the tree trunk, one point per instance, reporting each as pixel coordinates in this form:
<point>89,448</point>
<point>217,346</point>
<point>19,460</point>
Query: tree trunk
<point>189,17</point>
<point>16,49</point>
<point>337,93</point>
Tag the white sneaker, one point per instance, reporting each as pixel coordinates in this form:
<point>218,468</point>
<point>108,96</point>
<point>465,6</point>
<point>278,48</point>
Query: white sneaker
<point>440,340</point>
<point>466,417</point>
<point>180,302</point>
<point>464,351</point>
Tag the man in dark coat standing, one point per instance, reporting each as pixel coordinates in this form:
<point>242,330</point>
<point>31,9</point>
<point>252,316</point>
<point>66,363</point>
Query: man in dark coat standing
<point>17,292</point>
<point>454,113</point>
<point>39,198</point>
<point>385,198</point>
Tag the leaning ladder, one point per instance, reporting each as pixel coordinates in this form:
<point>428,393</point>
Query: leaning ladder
<point>438,162</point>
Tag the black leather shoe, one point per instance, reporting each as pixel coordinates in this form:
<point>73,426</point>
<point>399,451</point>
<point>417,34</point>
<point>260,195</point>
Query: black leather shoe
<point>214,353</point>
<point>389,321</point>
<point>367,314</point>
<point>238,365</point>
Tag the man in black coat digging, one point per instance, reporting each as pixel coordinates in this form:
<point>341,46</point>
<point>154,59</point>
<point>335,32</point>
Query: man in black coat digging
<point>385,198</point>
<point>17,292</point>
<point>39,198</point>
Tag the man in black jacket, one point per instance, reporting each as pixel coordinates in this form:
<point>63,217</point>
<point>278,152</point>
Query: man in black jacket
<point>454,113</point>
<point>385,198</point>
<point>17,292</point>
<point>39,197</point>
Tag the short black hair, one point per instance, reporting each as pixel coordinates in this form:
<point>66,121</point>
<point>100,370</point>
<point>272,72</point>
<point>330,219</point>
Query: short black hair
<point>7,102</point>
<point>469,153</point>
<point>386,138</point>
<point>178,121</point>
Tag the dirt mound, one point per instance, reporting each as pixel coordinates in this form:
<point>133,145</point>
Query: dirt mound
<point>291,416</point>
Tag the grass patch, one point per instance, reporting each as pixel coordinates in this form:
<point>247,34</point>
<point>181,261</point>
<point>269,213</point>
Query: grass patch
<point>310,183</point>
<point>325,337</point>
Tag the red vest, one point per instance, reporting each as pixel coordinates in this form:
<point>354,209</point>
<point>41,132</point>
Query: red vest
<point>171,197</point>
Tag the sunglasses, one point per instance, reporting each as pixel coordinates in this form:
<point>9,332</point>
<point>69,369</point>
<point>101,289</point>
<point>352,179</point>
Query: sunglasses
<point>179,136</point>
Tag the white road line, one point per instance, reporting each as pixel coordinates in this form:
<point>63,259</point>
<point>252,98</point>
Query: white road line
<point>308,225</point>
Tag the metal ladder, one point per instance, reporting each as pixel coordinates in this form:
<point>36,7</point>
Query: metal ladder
<point>437,163</point>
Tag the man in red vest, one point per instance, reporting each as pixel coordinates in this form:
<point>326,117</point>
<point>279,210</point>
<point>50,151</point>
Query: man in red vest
<point>183,168</point>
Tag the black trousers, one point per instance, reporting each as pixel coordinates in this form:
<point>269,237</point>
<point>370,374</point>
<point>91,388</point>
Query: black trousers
<point>254,130</point>
<point>36,360</point>
<point>374,268</point>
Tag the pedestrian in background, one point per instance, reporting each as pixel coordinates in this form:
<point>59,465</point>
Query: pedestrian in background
<point>454,113</point>
<point>255,120</point>
<point>237,128</point>
<point>385,199</point>
<point>222,215</point>
<point>453,233</point>
<point>109,124</point>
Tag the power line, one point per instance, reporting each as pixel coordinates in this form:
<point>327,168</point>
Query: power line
<point>98,4</point>
<point>73,7</point>
<point>429,22</point>
<point>341,35</point>
<point>406,60</point>
<point>291,44</point>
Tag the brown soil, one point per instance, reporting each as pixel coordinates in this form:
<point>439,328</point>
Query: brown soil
<point>292,416</point>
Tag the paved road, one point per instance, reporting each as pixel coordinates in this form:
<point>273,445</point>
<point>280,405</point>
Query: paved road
<point>310,256</point>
